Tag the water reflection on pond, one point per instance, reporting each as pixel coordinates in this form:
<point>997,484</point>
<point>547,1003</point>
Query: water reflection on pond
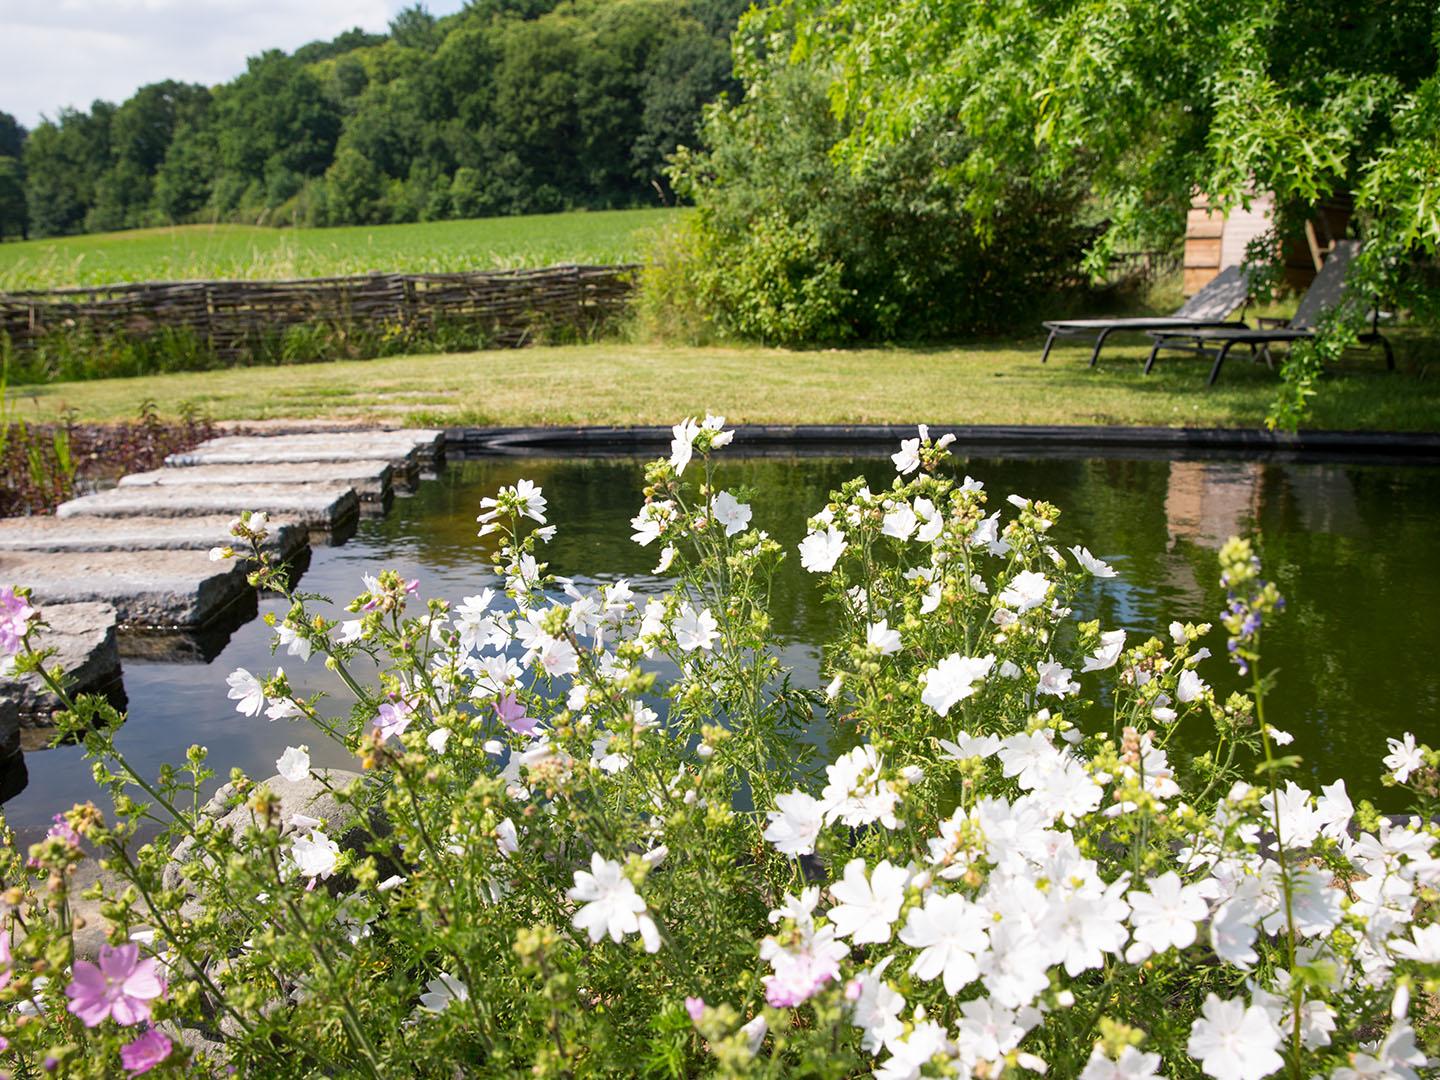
<point>1353,547</point>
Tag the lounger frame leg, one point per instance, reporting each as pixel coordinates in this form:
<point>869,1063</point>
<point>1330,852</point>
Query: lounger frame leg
<point>1099,344</point>
<point>1044,356</point>
<point>1154,352</point>
<point>1219,363</point>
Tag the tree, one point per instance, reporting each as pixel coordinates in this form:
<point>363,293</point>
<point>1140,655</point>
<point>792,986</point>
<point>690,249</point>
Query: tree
<point>12,136</point>
<point>1145,103</point>
<point>14,215</point>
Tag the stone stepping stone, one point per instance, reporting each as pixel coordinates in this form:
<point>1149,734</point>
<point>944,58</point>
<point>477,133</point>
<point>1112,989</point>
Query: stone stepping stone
<point>84,635</point>
<point>162,589</point>
<point>404,449</point>
<point>287,538</point>
<point>316,506</point>
<point>370,479</point>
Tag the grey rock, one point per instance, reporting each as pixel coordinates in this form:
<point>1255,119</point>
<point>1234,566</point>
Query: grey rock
<point>287,537</point>
<point>425,446</point>
<point>371,479</point>
<point>314,505</point>
<point>83,636</point>
<point>146,588</point>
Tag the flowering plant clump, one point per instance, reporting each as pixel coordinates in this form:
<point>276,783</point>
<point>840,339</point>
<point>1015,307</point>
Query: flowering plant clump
<point>588,838</point>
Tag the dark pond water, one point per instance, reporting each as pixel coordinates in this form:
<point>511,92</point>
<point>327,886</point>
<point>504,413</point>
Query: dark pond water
<point>1353,547</point>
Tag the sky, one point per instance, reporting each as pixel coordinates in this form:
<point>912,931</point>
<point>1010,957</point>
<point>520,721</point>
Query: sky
<point>55,53</point>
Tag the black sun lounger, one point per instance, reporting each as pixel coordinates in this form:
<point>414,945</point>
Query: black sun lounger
<point>1211,306</point>
<point>1325,292</point>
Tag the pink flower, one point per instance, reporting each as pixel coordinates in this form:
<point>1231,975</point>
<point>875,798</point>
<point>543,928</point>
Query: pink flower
<point>15,613</point>
<point>142,1055</point>
<point>695,1006</point>
<point>122,986</point>
<point>412,586</point>
<point>63,829</point>
<point>394,718</point>
<point>512,715</point>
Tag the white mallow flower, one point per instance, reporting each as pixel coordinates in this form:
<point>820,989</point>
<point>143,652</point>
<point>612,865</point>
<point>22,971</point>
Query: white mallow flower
<point>907,458</point>
<point>820,551</point>
<point>911,1053</point>
<point>1112,644</point>
<point>855,793</point>
<point>953,680</point>
<point>880,636</point>
<point>865,909</point>
<point>730,513</point>
<point>1190,687</point>
<point>294,763</point>
<point>949,931</point>
<point>1233,1041</point>
<point>1092,566</point>
<point>1025,590</point>
<point>694,629</point>
<point>611,904</point>
<point>295,644</point>
<point>795,823</point>
<point>932,522</point>
<point>443,991</point>
<point>1130,1065</point>
<point>651,521</point>
<point>438,739</point>
<point>315,855</point>
<point>1054,678</point>
<point>246,691</point>
<point>900,522</point>
<point>1404,757</point>
<point>681,448</point>
<point>667,556</point>
<point>351,630</point>
<point>1423,945</point>
<point>1165,916</point>
<point>877,1008</point>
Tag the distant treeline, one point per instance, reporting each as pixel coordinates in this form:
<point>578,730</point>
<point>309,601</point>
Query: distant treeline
<point>507,107</point>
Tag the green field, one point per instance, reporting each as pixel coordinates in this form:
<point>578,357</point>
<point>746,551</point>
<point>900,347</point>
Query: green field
<point>255,252</point>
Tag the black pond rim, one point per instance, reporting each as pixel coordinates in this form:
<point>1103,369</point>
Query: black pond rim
<point>980,440</point>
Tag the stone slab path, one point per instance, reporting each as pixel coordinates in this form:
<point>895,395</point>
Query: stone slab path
<point>372,480</point>
<point>137,556</point>
<point>318,506</point>
<point>37,534</point>
<point>83,636</point>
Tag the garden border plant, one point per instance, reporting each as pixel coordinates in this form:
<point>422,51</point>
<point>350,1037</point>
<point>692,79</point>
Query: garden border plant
<point>588,841</point>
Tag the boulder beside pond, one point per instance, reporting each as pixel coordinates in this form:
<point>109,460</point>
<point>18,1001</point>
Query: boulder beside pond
<point>83,637</point>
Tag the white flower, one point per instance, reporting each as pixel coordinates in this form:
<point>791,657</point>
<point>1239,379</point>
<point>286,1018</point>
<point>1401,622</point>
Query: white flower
<point>949,931</point>
<point>1026,590</point>
<point>953,680</point>
<point>795,823</point>
<point>833,687</point>
<point>611,904</point>
<point>900,522</point>
<point>1403,759</point>
<point>294,763</point>
<point>1423,946</point>
<point>1235,1042</point>
<point>855,793</point>
<point>987,533</point>
<point>1165,917</point>
<point>1093,566</point>
<point>438,739</point>
<point>880,636</point>
<point>316,855</point>
<point>932,522</point>
<point>247,691</point>
<point>734,515</point>
<point>295,644</point>
<point>1190,687</point>
<point>350,631</point>
<point>819,551</point>
<point>442,992</point>
<point>651,521</point>
<point>1130,1065</point>
<point>1112,644</point>
<point>866,909</point>
<point>681,448</point>
<point>1054,678</point>
<point>667,556</point>
<point>877,1008</point>
<point>907,458</point>
<point>694,629</point>
<point>558,658</point>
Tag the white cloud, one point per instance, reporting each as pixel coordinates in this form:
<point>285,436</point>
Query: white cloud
<point>57,53</point>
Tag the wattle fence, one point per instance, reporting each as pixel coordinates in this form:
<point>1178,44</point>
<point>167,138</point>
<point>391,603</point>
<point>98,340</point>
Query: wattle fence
<point>505,307</point>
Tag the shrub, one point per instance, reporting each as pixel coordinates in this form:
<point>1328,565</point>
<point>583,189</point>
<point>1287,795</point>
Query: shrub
<point>589,839</point>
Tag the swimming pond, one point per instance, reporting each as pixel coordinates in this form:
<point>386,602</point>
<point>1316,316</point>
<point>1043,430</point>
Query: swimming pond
<point>1353,547</point>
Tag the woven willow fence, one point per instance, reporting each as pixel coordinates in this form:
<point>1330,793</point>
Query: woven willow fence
<point>506,307</point>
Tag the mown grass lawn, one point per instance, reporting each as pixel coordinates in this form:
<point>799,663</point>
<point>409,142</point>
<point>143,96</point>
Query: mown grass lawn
<point>620,383</point>
<point>258,252</point>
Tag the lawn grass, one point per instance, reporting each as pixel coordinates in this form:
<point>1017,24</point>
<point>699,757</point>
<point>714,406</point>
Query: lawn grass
<point>621,383</point>
<point>258,252</point>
